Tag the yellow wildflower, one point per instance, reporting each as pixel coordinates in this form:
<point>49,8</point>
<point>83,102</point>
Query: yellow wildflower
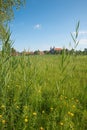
<point>2,106</point>
<point>39,91</point>
<point>0,116</point>
<point>41,128</point>
<point>26,107</point>
<point>51,108</point>
<point>65,97</point>
<point>69,113</point>
<point>17,107</point>
<point>77,100</point>
<point>8,86</point>
<point>26,120</point>
<point>3,121</point>
<point>34,113</point>
<point>72,114</point>
<point>43,112</point>
<point>61,123</point>
<point>74,106</point>
<point>71,126</point>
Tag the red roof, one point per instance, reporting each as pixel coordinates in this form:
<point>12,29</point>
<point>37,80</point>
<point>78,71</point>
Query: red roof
<point>57,49</point>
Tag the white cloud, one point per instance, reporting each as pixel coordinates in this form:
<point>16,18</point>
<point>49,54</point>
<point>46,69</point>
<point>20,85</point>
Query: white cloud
<point>37,26</point>
<point>81,32</point>
<point>83,41</point>
<point>82,38</point>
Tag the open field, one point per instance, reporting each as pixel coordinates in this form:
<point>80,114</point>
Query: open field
<point>47,92</point>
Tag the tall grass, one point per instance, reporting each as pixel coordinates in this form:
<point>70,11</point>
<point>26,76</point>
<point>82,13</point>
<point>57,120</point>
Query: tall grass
<point>46,92</point>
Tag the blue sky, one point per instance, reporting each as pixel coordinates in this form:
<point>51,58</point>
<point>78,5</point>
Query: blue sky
<point>42,24</point>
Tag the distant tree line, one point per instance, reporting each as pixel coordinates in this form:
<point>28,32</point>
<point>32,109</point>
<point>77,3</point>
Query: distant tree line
<point>14,52</point>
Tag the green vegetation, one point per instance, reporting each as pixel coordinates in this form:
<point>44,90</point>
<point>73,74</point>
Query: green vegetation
<point>47,92</point>
<point>7,14</point>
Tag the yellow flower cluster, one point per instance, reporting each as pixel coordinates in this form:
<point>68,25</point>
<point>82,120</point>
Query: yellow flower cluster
<point>71,114</point>
<point>2,120</point>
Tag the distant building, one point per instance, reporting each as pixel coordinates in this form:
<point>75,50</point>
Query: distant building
<point>41,53</point>
<point>31,53</point>
<point>55,50</point>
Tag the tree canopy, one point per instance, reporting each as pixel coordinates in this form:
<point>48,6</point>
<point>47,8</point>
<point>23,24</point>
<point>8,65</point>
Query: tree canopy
<point>7,13</point>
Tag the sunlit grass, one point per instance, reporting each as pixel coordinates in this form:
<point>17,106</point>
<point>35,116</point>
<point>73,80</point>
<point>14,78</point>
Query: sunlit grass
<point>35,95</point>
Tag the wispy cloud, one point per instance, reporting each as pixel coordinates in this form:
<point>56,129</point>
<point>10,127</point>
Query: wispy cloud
<point>83,41</point>
<point>82,37</point>
<point>37,26</point>
<point>83,32</point>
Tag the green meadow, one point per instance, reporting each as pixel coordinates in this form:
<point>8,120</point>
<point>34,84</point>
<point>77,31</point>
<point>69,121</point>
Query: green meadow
<point>47,92</point>
<point>42,92</point>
